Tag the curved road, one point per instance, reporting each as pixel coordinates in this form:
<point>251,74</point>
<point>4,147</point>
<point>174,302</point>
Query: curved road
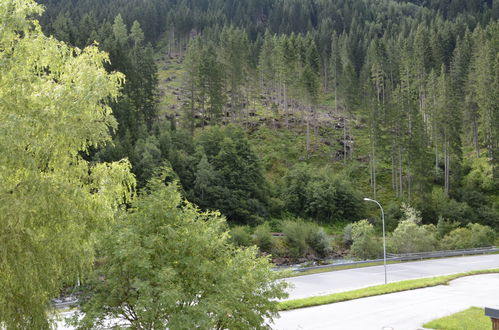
<point>407,310</point>
<point>346,280</point>
<point>402,310</point>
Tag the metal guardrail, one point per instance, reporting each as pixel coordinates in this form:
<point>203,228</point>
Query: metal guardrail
<point>446,253</point>
<point>411,256</point>
<point>64,302</point>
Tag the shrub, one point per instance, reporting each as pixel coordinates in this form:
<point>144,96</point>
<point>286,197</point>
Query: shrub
<point>305,237</point>
<point>473,236</point>
<point>240,236</point>
<point>365,243</point>
<point>481,236</point>
<point>459,238</point>
<point>411,214</point>
<point>410,237</point>
<point>295,237</point>
<point>445,226</point>
<point>318,240</point>
<point>263,237</point>
<point>279,247</point>
<point>347,234</point>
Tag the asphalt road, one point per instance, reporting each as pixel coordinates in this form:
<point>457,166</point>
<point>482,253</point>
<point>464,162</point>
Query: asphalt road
<point>403,310</point>
<point>346,280</point>
<point>407,310</point>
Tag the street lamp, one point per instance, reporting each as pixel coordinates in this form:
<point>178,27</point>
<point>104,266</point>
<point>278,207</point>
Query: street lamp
<point>384,239</point>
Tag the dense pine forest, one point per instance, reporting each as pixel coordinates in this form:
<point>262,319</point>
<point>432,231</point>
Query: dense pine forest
<point>155,143</point>
<point>272,109</point>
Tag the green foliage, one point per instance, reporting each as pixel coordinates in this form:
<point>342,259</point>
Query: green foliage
<point>136,108</point>
<point>481,235</point>
<point>365,243</point>
<point>240,236</point>
<point>168,265</point>
<point>319,241</point>
<point>470,319</point>
<point>316,194</point>
<point>305,238</point>
<point>429,79</point>
<point>413,97</point>
<point>448,208</point>
<point>279,247</point>
<point>473,236</point>
<point>54,108</point>
<point>146,157</point>
<point>459,238</point>
<point>206,178</point>
<point>347,234</point>
<point>411,214</point>
<point>277,150</point>
<point>480,174</point>
<point>410,237</point>
<point>263,237</point>
<point>445,226</point>
<point>393,215</point>
<point>296,237</point>
<point>230,177</point>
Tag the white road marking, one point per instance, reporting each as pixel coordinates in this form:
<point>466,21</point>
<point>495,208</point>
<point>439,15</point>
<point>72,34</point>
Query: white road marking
<point>388,271</point>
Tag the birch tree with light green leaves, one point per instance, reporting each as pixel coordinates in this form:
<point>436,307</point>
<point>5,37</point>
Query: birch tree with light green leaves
<point>53,110</point>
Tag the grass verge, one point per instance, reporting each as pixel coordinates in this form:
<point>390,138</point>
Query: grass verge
<point>377,290</point>
<point>470,319</point>
<point>340,267</point>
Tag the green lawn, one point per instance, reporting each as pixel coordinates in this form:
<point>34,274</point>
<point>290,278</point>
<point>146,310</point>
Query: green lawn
<point>377,290</point>
<point>471,319</point>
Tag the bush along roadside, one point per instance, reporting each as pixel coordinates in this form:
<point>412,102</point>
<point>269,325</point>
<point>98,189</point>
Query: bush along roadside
<point>296,240</point>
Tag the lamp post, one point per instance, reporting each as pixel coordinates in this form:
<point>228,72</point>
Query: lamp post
<point>384,239</point>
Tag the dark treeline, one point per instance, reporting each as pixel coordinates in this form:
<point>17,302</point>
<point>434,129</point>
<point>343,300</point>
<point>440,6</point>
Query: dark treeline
<point>256,16</point>
<point>421,77</point>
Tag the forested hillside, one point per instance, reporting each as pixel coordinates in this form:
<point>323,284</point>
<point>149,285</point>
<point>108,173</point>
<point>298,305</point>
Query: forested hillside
<point>285,109</point>
<point>156,155</point>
